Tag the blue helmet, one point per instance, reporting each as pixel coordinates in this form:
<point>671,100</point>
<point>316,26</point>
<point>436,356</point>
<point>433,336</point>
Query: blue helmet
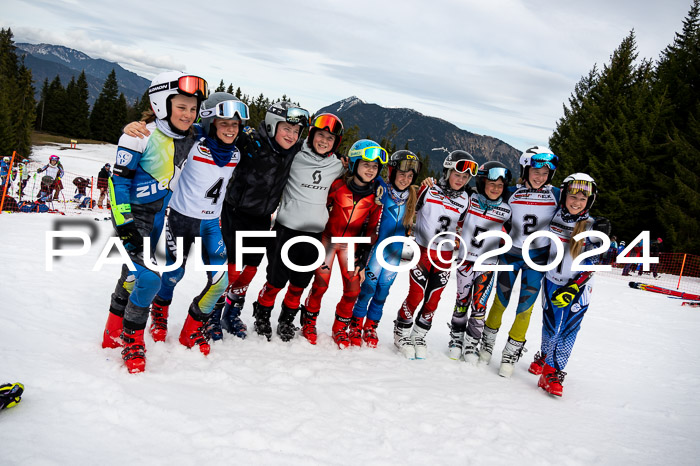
<point>366,149</point>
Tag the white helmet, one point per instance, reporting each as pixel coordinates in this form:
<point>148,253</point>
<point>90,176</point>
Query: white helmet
<point>171,83</point>
<point>538,157</point>
<point>579,182</point>
<point>5,159</point>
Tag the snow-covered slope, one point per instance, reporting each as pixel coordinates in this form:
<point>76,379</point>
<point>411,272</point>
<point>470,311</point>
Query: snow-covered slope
<point>630,396</point>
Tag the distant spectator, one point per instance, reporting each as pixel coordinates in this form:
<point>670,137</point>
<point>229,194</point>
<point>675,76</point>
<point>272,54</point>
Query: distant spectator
<point>103,184</point>
<point>656,249</point>
<point>612,251</point>
<point>81,185</point>
<point>4,170</point>
<point>23,177</point>
<point>54,169</point>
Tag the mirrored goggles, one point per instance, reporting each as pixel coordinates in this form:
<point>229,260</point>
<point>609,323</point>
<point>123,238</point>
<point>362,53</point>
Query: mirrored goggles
<point>330,123</point>
<point>192,85</point>
<point>541,160</point>
<point>463,166</point>
<point>495,173</point>
<point>297,116</point>
<point>371,154</point>
<point>580,186</point>
<point>227,110</point>
<point>409,165</point>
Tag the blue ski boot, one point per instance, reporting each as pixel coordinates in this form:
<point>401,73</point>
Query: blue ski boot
<point>231,317</point>
<point>214,323</point>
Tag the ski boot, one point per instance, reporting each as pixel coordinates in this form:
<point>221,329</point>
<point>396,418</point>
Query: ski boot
<point>355,332</point>
<point>470,351</point>
<point>214,322</point>
<point>370,333</point>
<point>193,333</point>
<point>418,339</point>
<point>511,355</point>
<point>134,352</point>
<point>402,339</point>
<point>113,331</point>
<point>231,317</point>
<point>488,338</point>
<point>285,324</point>
<point>340,331</point>
<point>537,365</point>
<point>551,380</point>
<point>262,320</point>
<point>159,318</point>
<point>10,394</point>
<point>308,325</point>
<point>456,344</point>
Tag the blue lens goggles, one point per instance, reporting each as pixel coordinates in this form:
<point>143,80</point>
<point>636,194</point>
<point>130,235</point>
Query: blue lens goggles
<point>495,173</point>
<point>226,110</point>
<point>542,160</point>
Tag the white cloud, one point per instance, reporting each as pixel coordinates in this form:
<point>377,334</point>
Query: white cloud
<point>499,67</point>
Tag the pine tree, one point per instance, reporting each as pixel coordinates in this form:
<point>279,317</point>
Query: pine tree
<point>39,124</point>
<point>677,146</point>
<point>54,107</point>
<point>16,99</point>
<point>81,125</point>
<point>221,87</point>
<point>106,119</point>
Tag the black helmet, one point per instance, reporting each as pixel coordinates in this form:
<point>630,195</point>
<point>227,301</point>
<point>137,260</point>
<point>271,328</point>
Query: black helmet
<point>492,170</point>
<point>403,160</point>
<point>460,161</point>
<point>330,123</point>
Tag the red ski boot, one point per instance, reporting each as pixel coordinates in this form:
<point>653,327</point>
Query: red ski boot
<point>537,365</point>
<point>308,325</point>
<point>193,333</point>
<point>112,337</point>
<point>551,380</point>
<point>159,319</point>
<point>370,333</point>
<point>134,352</point>
<point>340,332</point>
<point>355,333</point>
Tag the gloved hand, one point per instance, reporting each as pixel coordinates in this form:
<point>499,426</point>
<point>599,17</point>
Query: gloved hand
<point>564,295</point>
<point>602,225</point>
<point>130,236</point>
<point>10,394</point>
<point>246,142</point>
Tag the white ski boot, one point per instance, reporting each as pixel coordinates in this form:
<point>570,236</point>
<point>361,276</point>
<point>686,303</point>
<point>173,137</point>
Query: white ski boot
<point>470,351</point>
<point>511,354</point>
<point>402,339</point>
<point>488,338</point>
<point>456,344</point>
<point>418,339</point>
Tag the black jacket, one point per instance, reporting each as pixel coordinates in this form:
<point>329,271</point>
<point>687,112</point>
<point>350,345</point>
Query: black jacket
<point>259,179</point>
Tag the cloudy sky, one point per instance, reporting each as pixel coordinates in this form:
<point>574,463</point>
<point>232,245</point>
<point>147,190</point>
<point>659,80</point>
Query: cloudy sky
<point>497,67</point>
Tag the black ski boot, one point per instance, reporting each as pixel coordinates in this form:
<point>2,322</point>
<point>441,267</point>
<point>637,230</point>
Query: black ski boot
<point>285,327</point>
<point>262,320</point>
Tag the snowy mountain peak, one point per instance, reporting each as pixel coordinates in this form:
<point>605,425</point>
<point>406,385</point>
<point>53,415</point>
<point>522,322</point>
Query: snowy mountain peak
<point>64,54</point>
<point>347,103</point>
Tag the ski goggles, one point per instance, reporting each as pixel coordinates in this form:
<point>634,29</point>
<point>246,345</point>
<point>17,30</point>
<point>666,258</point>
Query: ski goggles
<point>328,122</point>
<point>297,116</point>
<point>370,154</point>
<point>495,173</point>
<point>542,160</point>
<point>227,110</point>
<point>580,186</point>
<point>409,165</point>
<point>188,85</point>
<point>464,166</point>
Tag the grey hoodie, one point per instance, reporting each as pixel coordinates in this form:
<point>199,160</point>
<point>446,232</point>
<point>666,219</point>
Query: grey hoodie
<point>303,205</point>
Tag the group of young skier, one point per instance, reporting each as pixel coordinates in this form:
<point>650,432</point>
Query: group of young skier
<point>224,182</point>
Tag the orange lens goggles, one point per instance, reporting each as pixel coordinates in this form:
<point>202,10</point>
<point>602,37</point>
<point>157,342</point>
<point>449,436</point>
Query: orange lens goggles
<point>193,85</point>
<point>331,123</point>
<point>463,166</point>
